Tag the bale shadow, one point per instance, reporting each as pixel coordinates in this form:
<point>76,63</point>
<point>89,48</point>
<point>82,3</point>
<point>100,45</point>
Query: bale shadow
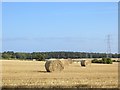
<point>79,87</point>
<point>40,71</point>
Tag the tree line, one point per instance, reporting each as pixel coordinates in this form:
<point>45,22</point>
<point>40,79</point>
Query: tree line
<point>47,55</point>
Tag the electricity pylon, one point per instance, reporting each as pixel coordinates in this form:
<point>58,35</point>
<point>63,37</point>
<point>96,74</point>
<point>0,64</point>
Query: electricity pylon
<point>108,47</point>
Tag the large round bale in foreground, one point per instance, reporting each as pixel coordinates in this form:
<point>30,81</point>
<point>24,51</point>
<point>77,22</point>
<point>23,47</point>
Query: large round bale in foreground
<point>54,66</point>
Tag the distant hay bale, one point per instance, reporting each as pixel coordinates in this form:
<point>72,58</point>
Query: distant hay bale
<point>85,63</point>
<point>70,61</point>
<point>54,66</point>
<point>89,61</point>
<point>65,62</point>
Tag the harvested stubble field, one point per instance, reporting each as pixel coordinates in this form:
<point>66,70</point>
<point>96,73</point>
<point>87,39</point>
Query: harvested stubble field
<point>33,74</point>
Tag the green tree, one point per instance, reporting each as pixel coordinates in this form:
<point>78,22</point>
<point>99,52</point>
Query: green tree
<point>109,61</point>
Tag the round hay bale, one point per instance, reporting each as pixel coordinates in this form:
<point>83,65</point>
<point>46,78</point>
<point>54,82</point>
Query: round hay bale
<point>85,62</point>
<point>54,66</point>
<point>89,61</point>
<point>65,62</point>
<point>70,61</point>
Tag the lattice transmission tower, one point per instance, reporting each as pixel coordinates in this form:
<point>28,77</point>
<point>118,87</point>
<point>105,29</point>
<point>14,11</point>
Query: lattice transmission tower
<point>108,47</point>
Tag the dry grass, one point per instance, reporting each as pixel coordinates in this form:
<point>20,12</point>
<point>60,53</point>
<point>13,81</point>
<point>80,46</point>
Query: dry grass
<point>33,74</point>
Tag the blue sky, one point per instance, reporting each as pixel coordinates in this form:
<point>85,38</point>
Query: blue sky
<point>29,27</point>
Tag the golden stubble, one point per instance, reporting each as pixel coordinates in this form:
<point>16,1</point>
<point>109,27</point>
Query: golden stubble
<point>33,74</point>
